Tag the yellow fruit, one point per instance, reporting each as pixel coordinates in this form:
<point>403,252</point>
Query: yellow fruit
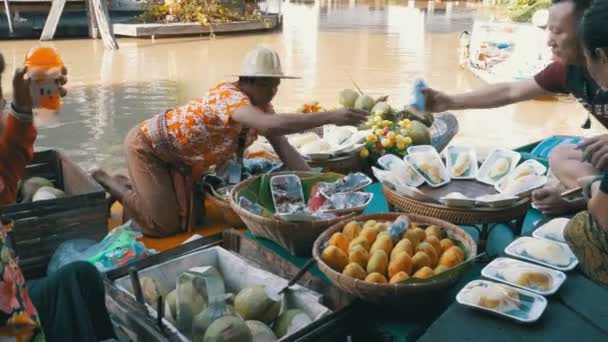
<point>387,143</point>
<point>450,258</point>
<point>401,263</point>
<point>369,223</point>
<point>459,251</point>
<point>399,277</point>
<point>420,259</point>
<point>434,241</point>
<point>421,234</point>
<point>339,240</point>
<point>360,240</point>
<point>407,141</point>
<point>379,132</point>
<point>381,233</point>
<point>378,119</point>
<point>436,231</point>
<point>384,243</point>
<point>411,235</point>
<point>425,272</point>
<point>391,135</point>
<point>364,153</point>
<point>374,127</point>
<point>359,255</point>
<point>378,262</point>
<point>403,246</point>
<point>381,227</point>
<point>430,251</point>
<point>370,234</point>
<point>404,123</point>
<point>386,123</point>
<point>352,230</point>
<point>372,138</point>
<point>446,244</point>
<point>403,132</point>
<point>354,270</point>
<point>335,258</point>
<point>441,269</point>
<point>376,278</point>
<point>401,145</point>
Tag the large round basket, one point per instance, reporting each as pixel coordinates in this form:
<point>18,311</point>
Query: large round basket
<point>342,164</point>
<point>231,218</point>
<point>297,238</point>
<point>460,216</point>
<point>395,294</point>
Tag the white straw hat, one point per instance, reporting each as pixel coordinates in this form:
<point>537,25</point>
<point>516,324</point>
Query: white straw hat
<point>262,62</point>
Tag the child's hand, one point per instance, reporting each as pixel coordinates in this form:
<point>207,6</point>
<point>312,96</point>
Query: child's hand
<point>22,98</point>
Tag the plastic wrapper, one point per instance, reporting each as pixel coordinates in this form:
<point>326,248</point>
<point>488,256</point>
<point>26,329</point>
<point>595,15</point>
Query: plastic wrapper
<point>417,99</point>
<point>316,200</point>
<point>250,206</point>
<point>398,227</point>
<point>349,183</point>
<point>119,248</point>
<point>347,200</point>
<point>287,194</point>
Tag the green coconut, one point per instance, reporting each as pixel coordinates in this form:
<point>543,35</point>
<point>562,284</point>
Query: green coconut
<point>348,97</point>
<point>47,193</point>
<point>203,320</point>
<point>419,133</point>
<point>261,332</point>
<point>228,329</point>
<point>151,290</point>
<point>31,185</point>
<point>253,303</point>
<point>171,304</point>
<point>365,103</point>
<point>189,304</point>
<point>290,321</point>
<point>381,108</point>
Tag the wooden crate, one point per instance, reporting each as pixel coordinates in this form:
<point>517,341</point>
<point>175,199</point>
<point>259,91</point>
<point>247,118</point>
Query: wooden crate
<point>135,320</point>
<point>40,227</point>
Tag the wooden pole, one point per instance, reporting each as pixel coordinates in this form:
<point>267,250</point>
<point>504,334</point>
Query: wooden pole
<point>103,24</point>
<point>8,16</point>
<point>50,26</point>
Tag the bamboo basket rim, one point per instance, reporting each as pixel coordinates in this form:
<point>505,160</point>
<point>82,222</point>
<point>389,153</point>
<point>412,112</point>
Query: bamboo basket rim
<point>476,210</point>
<point>333,274</point>
<point>269,220</point>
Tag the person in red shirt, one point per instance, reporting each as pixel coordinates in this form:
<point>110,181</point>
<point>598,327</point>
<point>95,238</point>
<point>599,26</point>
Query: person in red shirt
<point>70,303</point>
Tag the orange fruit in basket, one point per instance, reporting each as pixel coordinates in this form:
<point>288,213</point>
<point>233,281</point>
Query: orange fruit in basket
<point>399,277</point>
<point>378,262</point>
<point>458,251</point>
<point>359,241</point>
<point>446,244</point>
<point>352,230</point>
<point>420,233</point>
<point>376,278</point>
<point>425,272</point>
<point>441,269</point>
<point>369,234</point>
<point>354,270</point>
<point>400,263</point>
<point>430,251</point>
<point>434,241</point>
<point>420,260</point>
<point>369,224</point>
<point>436,231</point>
<point>339,240</point>
<point>384,243</point>
<point>450,258</point>
<point>411,235</point>
<point>404,245</point>
<point>359,255</point>
<point>335,258</point>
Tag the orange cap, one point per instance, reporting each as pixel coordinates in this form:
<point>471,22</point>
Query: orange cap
<point>45,57</point>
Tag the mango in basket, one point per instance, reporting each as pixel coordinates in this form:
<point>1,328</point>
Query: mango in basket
<point>370,234</point>
<point>425,272</point>
<point>436,231</point>
<point>359,255</point>
<point>401,263</point>
<point>430,251</point>
<point>411,235</point>
<point>434,241</point>
<point>369,224</point>
<point>360,240</point>
<point>335,258</point>
<point>378,262</point>
<point>451,257</point>
<point>420,233</point>
<point>404,245</point>
<point>376,278</point>
<point>446,244</point>
<point>457,250</point>
<point>339,240</point>
<point>399,277</point>
<point>228,329</point>
<point>420,260</point>
<point>253,303</point>
<point>352,230</point>
<point>354,270</point>
<point>441,269</point>
<point>384,243</point>
<point>381,226</point>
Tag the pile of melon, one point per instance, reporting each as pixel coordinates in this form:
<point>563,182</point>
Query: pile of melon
<point>366,251</point>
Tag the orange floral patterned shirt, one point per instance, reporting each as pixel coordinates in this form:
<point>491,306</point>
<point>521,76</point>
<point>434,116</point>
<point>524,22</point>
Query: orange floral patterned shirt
<point>201,133</point>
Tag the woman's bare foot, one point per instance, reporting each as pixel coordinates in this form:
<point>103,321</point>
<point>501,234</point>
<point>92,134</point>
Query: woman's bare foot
<point>124,180</point>
<point>113,185</point>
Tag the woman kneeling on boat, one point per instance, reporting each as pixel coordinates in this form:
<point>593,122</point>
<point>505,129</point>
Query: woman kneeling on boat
<point>169,152</point>
<point>587,232</point>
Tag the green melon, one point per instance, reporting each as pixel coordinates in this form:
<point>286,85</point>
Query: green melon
<point>365,103</point>
<point>203,321</point>
<point>253,303</point>
<point>419,133</point>
<point>381,108</point>
<point>348,97</point>
<point>261,332</point>
<point>228,329</point>
<point>290,321</point>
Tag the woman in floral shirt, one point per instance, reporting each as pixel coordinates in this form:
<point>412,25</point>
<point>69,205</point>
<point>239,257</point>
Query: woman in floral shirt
<point>168,152</point>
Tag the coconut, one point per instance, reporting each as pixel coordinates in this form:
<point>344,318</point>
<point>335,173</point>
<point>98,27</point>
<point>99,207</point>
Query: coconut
<point>150,289</point>
<point>253,303</point>
<point>171,304</point>
<point>290,321</point>
<point>381,108</point>
<point>228,329</point>
<point>47,193</point>
<point>261,332</point>
<point>203,320</point>
<point>31,185</point>
<point>189,304</point>
<point>419,133</point>
<point>348,97</point>
<point>365,103</point>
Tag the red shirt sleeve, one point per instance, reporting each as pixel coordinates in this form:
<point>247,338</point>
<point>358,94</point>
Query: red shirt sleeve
<point>16,152</point>
<point>553,78</point>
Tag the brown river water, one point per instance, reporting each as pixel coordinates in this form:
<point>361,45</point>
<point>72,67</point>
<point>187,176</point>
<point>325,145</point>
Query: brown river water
<point>383,45</point>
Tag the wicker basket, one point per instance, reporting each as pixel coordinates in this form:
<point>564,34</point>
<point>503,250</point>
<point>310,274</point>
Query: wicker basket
<point>460,216</point>
<point>297,238</point>
<point>394,294</point>
<point>343,164</point>
<point>231,218</point>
